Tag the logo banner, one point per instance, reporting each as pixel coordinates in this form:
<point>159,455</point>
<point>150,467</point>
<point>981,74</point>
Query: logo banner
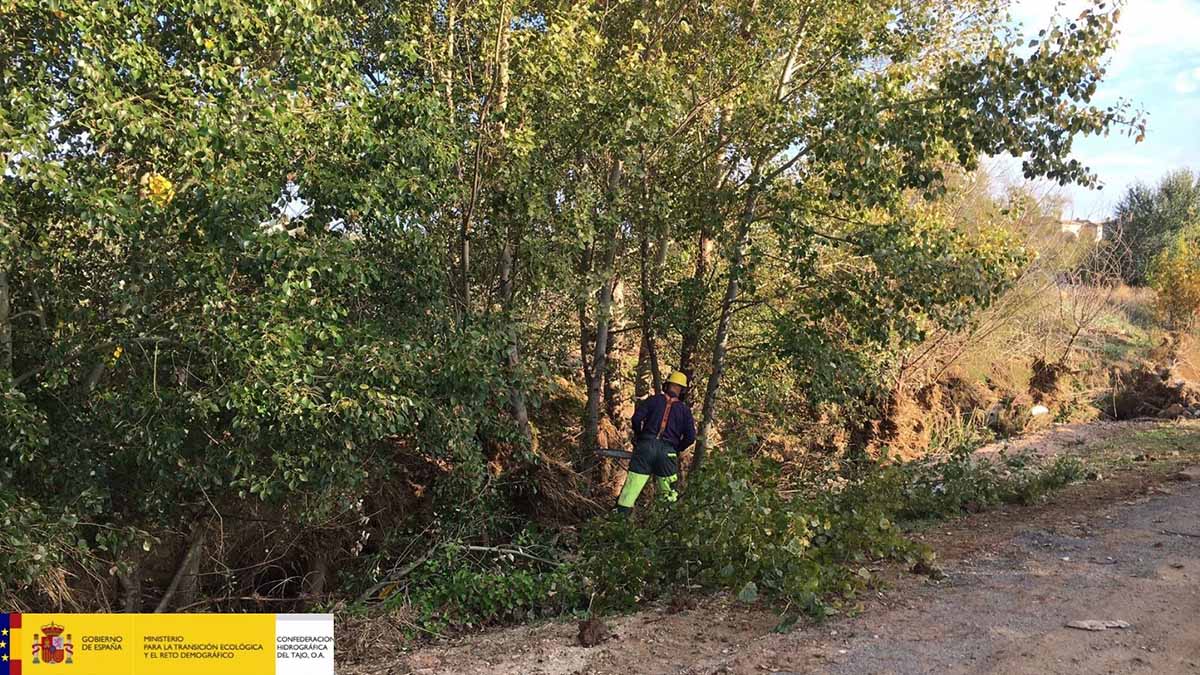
<point>166,644</point>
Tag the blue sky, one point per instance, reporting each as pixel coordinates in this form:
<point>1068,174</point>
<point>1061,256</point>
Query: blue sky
<point>1157,66</point>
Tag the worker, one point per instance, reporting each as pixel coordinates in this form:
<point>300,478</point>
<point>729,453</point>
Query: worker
<point>663,427</point>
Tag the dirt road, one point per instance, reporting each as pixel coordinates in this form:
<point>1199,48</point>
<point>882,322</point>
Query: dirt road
<point>1126,548</point>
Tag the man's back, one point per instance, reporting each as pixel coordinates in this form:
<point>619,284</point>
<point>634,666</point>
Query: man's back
<point>680,429</point>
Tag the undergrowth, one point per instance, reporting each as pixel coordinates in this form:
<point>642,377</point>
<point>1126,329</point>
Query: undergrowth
<point>944,487</point>
<point>810,548</point>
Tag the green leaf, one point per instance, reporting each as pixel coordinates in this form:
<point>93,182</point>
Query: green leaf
<point>749,592</point>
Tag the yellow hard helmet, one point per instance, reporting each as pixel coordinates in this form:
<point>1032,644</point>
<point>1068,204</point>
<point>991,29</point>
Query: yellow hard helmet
<point>678,378</point>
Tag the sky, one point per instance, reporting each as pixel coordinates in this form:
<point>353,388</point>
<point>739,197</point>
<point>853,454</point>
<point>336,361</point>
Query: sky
<point>1156,66</point>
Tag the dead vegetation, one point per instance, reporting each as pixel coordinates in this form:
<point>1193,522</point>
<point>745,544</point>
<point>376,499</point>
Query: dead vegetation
<point>592,632</point>
<point>1069,343</point>
<point>1150,391</point>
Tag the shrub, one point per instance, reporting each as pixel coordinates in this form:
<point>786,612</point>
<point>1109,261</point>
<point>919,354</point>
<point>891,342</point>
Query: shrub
<point>945,486</point>
<point>735,528</point>
<point>1175,275</point>
<point>458,591</point>
<point>32,542</point>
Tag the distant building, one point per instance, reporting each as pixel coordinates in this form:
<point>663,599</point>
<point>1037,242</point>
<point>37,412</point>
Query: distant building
<point>1083,229</point>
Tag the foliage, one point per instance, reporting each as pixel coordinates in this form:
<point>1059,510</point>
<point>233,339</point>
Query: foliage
<point>1150,218</point>
<point>457,589</point>
<point>33,542</point>
<point>734,531</point>
<point>278,262</point>
<point>946,486</point>
<point>844,337</point>
<point>735,528</point>
<point>1175,276</point>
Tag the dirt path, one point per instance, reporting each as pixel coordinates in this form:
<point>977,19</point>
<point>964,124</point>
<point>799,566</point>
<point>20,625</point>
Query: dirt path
<point>1080,438</point>
<point>1126,547</point>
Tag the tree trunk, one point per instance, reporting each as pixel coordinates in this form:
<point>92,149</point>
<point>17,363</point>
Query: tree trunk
<point>591,437</point>
<point>6,339</point>
<point>444,66</point>
<point>614,386</point>
<point>512,353</point>
<point>598,365</point>
<point>649,370</point>
<point>720,346</point>
<point>447,77</point>
<point>642,375</point>
<point>186,575</point>
<point>464,267</point>
<point>316,579</point>
<point>690,342</point>
<point>691,330</point>
<point>583,271</point>
<point>131,588</point>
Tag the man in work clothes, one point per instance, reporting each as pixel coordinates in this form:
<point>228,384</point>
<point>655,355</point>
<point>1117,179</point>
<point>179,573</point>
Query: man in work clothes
<point>664,427</point>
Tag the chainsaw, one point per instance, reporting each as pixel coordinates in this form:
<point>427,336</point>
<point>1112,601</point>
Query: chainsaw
<point>615,454</point>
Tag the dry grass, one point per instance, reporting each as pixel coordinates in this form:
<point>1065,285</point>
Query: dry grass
<point>1054,339</point>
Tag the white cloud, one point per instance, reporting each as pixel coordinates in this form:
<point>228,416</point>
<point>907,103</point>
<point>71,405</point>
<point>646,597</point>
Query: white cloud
<point>1154,65</point>
<point>1187,82</point>
<point>1150,30</point>
<point>1125,159</point>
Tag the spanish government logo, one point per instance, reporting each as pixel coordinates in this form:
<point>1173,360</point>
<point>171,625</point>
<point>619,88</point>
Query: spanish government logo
<point>10,662</point>
<point>52,647</point>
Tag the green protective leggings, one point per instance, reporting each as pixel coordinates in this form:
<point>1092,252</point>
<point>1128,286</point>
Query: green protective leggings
<point>666,487</point>
<point>635,482</point>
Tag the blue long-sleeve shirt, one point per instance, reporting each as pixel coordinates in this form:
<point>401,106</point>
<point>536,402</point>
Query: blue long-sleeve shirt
<point>681,426</point>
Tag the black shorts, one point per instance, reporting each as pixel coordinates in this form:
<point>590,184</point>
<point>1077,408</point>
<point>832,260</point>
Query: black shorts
<point>652,456</point>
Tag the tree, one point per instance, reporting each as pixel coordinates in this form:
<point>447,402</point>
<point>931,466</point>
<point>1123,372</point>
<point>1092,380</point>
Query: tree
<point>828,162</point>
<point>1175,276</point>
<point>1148,219</point>
<point>460,188</point>
<point>178,346</point>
